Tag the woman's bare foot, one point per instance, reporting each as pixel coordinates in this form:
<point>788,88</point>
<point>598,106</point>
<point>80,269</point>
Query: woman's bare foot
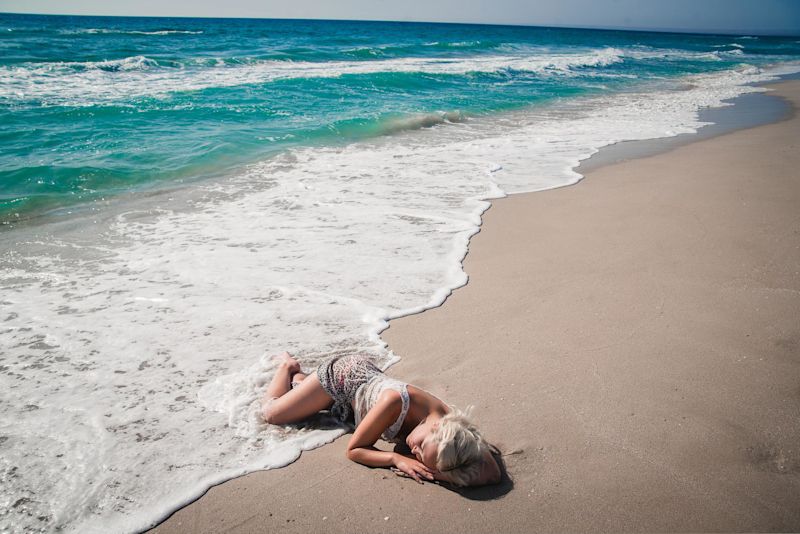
<point>290,364</point>
<point>281,382</point>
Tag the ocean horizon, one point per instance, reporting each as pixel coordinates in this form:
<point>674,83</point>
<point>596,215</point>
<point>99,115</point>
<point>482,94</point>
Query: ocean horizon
<point>180,198</point>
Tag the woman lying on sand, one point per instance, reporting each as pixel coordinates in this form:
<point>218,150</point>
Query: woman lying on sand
<point>444,444</point>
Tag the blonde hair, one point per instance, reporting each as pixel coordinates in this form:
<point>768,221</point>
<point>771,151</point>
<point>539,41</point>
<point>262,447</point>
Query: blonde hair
<point>461,447</point>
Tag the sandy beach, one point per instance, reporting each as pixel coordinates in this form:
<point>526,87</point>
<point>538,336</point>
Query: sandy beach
<point>636,359</point>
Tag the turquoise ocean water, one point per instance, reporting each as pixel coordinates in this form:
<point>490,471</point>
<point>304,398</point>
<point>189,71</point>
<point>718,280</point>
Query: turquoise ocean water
<point>182,198</point>
<point>93,107</point>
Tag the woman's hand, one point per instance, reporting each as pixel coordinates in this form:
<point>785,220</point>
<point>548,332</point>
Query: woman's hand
<point>412,468</point>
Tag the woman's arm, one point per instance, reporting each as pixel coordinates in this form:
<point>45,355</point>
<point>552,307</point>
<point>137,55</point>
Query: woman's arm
<point>361,447</point>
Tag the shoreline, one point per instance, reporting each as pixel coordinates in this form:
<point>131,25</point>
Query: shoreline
<point>222,507</point>
<point>748,110</point>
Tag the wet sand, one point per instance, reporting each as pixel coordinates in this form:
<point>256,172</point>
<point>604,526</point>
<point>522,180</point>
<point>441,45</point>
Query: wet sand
<point>631,344</point>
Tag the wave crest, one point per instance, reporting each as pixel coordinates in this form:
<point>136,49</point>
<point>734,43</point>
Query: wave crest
<point>392,50</point>
<point>94,31</point>
<point>125,64</point>
<point>89,83</point>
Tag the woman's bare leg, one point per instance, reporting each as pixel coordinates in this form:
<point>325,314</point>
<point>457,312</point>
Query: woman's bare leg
<point>297,378</point>
<point>282,404</point>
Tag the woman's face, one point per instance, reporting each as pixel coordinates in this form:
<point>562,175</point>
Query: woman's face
<point>421,441</point>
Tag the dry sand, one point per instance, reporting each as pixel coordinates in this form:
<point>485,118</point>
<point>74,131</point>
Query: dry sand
<point>631,343</point>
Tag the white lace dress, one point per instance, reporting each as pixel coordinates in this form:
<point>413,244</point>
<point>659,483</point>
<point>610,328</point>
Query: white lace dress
<point>354,381</point>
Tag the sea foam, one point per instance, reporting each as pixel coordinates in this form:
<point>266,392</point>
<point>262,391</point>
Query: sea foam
<point>97,82</point>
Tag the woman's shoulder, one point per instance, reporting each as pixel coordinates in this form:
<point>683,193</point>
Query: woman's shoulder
<point>389,397</point>
<point>429,401</point>
<point>392,402</point>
